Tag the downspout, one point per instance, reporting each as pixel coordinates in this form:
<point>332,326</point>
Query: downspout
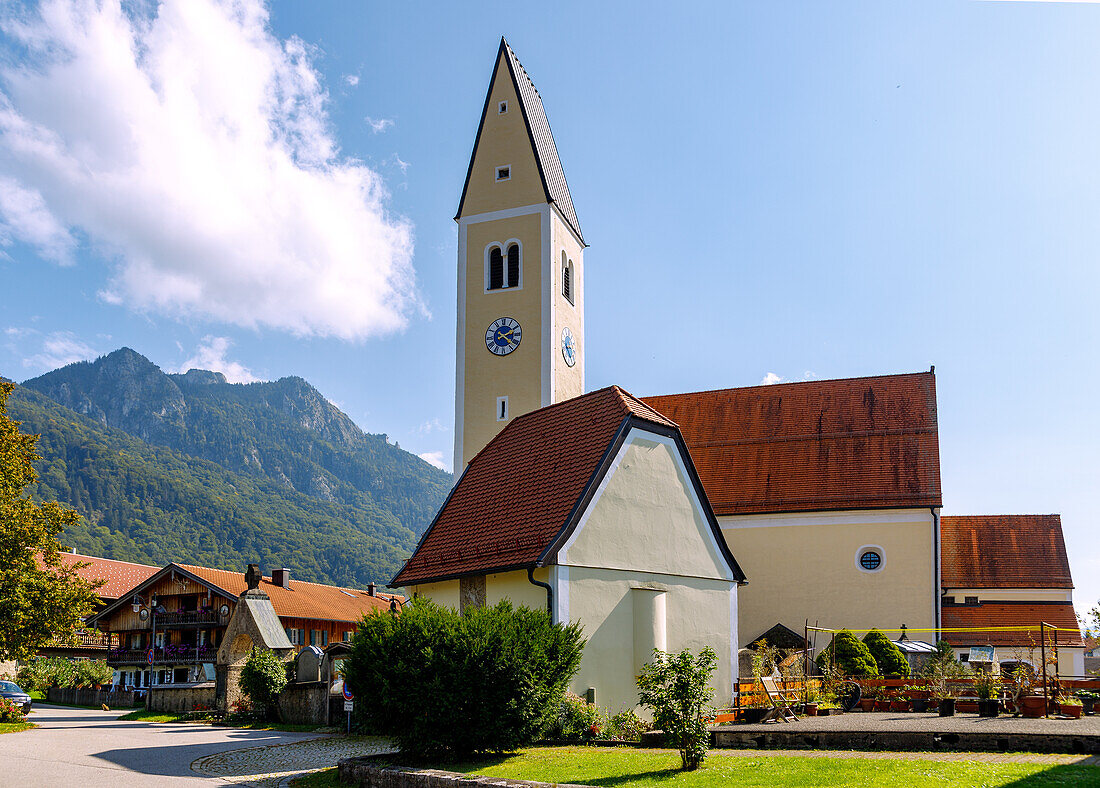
<point>547,586</point>
<point>939,578</point>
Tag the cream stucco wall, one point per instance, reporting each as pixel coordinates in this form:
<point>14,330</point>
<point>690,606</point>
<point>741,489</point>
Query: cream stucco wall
<point>568,382</point>
<point>803,566</point>
<point>513,586</point>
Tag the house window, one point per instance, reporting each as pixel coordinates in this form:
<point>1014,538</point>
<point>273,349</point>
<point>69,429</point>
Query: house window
<point>314,636</point>
<point>964,656</point>
<point>348,636</point>
<point>496,268</point>
<point>567,278</point>
<point>972,600</point>
<point>504,173</point>
<point>870,558</point>
<point>502,108</point>
<point>513,266</point>
<point>324,637</point>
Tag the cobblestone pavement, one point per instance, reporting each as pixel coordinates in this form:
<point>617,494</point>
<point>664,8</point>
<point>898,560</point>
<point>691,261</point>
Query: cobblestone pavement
<point>277,764</point>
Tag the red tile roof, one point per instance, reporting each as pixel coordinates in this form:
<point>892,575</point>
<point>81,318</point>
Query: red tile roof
<point>302,599</point>
<point>121,576</point>
<point>1004,551</point>
<point>519,492</point>
<point>858,443</point>
<point>1010,614</point>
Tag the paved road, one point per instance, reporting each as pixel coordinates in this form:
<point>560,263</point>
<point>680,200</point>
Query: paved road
<point>82,748</point>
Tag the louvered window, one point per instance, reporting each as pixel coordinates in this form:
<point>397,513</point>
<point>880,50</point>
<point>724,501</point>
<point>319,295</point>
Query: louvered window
<point>513,266</point>
<point>496,269</point>
<point>567,283</point>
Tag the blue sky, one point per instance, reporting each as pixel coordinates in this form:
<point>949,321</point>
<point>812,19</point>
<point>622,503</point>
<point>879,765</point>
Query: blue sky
<point>794,190</point>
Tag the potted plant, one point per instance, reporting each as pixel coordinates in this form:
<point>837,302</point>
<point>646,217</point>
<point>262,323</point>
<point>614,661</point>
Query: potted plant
<point>1069,706</point>
<point>899,703</point>
<point>867,699</point>
<point>987,685</point>
<point>918,697</point>
<point>1088,699</point>
<point>809,707</point>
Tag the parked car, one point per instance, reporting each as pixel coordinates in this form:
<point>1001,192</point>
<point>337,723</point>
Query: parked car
<point>11,691</point>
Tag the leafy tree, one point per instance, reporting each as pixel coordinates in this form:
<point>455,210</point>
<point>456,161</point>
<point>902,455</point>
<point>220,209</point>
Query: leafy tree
<point>852,657</point>
<point>40,598</point>
<point>887,656</point>
<point>444,684</point>
<point>93,671</point>
<point>263,677</point>
<point>676,688</point>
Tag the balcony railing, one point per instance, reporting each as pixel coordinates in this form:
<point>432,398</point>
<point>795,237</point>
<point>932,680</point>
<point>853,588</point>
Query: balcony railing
<point>192,617</point>
<point>171,655</point>
<point>82,640</point>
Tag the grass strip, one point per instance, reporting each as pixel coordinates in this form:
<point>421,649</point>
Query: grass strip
<point>15,727</point>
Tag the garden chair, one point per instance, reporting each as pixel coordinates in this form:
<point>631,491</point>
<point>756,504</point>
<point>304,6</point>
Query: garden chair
<point>780,701</point>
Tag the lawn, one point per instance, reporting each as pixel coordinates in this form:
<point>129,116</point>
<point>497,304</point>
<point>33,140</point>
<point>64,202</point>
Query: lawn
<point>624,768</point>
<point>15,727</point>
<point>141,715</point>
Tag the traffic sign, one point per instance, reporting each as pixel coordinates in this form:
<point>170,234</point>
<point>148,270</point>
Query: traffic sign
<point>348,694</point>
<point>149,656</point>
<point>349,705</point>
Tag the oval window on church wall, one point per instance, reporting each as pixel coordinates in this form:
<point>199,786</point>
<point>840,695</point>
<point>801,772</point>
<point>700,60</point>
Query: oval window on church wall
<point>870,558</point>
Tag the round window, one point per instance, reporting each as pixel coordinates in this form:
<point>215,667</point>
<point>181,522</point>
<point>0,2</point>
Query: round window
<point>870,560</point>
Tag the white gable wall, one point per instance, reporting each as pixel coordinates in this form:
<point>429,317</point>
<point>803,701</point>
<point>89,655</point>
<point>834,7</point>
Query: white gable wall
<point>642,570</point>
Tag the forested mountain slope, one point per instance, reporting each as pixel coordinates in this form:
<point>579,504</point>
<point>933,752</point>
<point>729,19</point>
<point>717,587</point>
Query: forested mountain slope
<point>191,468</point>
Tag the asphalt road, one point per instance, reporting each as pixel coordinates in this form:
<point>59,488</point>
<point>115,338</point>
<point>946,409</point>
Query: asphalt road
<point>84,748</point>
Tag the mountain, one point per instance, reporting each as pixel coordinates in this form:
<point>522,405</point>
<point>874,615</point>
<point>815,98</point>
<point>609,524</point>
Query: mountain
<point>192,468</point>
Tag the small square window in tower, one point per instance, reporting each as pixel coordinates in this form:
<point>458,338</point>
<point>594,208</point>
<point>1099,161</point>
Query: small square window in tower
<point>502,409</point>
<point>567,278</point>
<point>502,108</point>
<point>504,173</point>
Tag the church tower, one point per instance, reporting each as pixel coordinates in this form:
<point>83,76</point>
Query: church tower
<point>520,268</point>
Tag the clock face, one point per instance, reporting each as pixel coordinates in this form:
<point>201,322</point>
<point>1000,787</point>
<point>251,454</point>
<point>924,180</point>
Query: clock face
<point>503,336</point>
<point>568,346</point>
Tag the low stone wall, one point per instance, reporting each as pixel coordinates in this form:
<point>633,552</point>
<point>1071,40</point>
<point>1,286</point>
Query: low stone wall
<point>366,773</point>
<point>911,741</point>
<point>305,703</point>
<point>180,698</point>
<point>117,699</point>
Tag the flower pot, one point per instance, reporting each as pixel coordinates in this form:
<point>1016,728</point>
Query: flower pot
<point>867,704</point>
<point>947,707</point>
<point>989,707</point>
<point>882,705</point>
<point>1087,707</point>
<point>810,709</point>
<point>920,705</point>
<point>899,704</point>
<point>1032,706</point>
<point>826,712</point>
<point>1070,710</point>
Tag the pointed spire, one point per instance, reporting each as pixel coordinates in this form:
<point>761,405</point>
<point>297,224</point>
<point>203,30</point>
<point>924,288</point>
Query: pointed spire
<point>538,131</point>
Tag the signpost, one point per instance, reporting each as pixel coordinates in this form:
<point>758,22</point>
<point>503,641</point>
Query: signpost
<point>349,702</point>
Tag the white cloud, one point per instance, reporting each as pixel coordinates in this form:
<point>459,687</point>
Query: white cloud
<point>404,165</point>
<point>351,79</point>
<point>193,148</point>
<point>431,425</point>
<point>434,458</point>
<point>771,379</point>
<point>378,126</point>
<point>25,217</point>
<point>211,354</point>
<point>58,349</point>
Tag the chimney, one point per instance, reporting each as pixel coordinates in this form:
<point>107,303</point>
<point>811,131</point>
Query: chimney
<point>281,577</point>
<point>370,589</point>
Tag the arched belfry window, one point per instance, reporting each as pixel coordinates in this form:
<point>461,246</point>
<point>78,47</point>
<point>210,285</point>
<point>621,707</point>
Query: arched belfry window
<point>496,268</point>
<point>568,283</point>
<point>504,263</point>
<point>513,266</point>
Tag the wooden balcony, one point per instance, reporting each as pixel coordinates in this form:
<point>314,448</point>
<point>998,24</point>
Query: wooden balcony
<point>91,639</point>
<point>193,618</point>
<point>174,655</point>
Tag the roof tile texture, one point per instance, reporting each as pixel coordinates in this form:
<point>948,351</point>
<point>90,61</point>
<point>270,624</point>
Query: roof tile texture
<point>1010,614</point>
<point>301,599</point>
<point>121,576</point>
<point>858,443</point>
<point>518,492</point>
<point>1004,551</point>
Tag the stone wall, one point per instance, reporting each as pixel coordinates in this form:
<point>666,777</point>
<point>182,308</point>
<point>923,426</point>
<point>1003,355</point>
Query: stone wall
<point>179,698</point>
<point>366,773</point>
<point>118,699</point>
<point>305,703</point>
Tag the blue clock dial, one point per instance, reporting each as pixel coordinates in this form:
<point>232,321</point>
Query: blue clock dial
<point>568,346</point>
<point>503,336</point>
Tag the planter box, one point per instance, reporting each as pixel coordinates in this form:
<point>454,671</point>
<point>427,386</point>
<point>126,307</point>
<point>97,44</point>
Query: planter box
<point>947,707</point>
<point>882,705</point>
<point>752,716</point>
<point>1032,706</point>
<point>1070,710</point>
<point>989,708</point>
<point>899,704</point>
<point>810,709</point>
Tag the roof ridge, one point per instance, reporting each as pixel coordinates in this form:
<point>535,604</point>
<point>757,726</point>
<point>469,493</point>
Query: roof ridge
<point>269,579</point>
<point>112,560</point>
<point>788,383</point>
<point>626,394</point>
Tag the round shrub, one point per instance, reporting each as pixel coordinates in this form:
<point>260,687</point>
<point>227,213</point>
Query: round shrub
<point>886,655</point>
<point>578,720</point>
<point>441,683</point>
<point>852,657</point>
<point>263,677</point>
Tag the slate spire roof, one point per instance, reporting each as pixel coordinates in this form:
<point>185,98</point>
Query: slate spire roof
<point>538,129</point>
<point>524,491</point>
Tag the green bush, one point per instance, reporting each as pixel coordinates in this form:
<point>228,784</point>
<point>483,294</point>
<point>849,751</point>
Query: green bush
<point>262,679</point>
<point>41,673</point>
<point>675,687</point>
<point>93,671</point>
<point>10,712</point>
<point>578,719</point>
<point>886,655</point>
<point>627,726</point>
<point>441,683</point>
<point>852,657</point>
